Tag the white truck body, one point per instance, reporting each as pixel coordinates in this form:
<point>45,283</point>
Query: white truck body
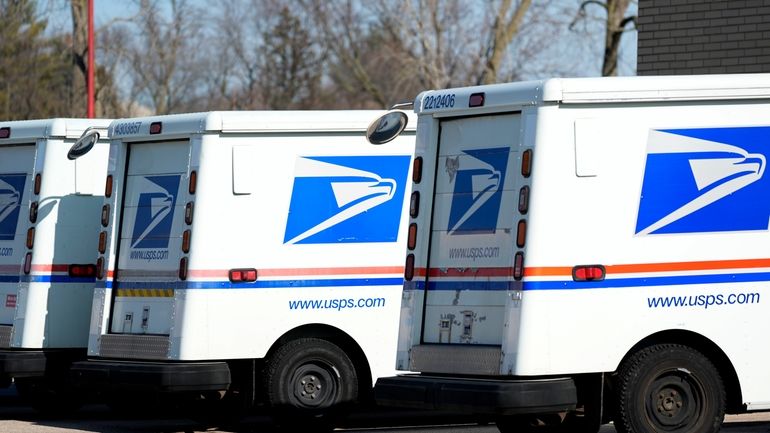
<point>568,229</point>
<point>298,198</point>
<point>49,208</point>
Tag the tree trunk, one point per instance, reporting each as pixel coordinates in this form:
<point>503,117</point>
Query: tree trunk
<point>78,93</point>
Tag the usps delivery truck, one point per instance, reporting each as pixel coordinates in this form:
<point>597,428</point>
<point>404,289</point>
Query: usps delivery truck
<point>49,210</point>
<point>257,254</point>
<point>596,248</point>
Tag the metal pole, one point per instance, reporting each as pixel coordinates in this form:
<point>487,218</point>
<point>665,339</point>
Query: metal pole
<point>91,64</point>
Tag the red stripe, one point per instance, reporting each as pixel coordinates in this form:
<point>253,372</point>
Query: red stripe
<point>292,272</point>
<point>655,267</point>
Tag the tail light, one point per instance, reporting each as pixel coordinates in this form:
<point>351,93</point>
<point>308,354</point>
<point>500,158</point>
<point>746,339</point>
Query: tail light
<point>524,200</point>
<point>108,186</point>
<point>409,268</point>
<point>588,273</point>
<point>476,100</point>
<point>242,275</point>
<point>82,271</point>
<point>414,204</point>
<point>105,215</point>
<point>102,242</point>
<point>526,163</point>
<point>38,183</point>
<point>33,212</point>
<point>188,213</point>
<point>411,240</point>
<point>28,263</point>
<point>521,233</point>
<point>417,170</point>
<point>186,241</point>
<point>30,237</point>
<point>193,181</point>
<point>5,132</point>
<point>518,265</point>
<point>156,128</point>
<point>100,268</point>
<point>183,268</point>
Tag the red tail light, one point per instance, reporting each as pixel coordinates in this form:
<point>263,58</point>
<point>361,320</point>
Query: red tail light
<point>183,268</point>
<point>102,242</point>
<point>476,100</point>
<point>521,233</point>
<point>193,181</point>
<point>411,240</point>
<point>108,186</point>
<point>417,170</point>
<point>100,268</point>
<point>409,268</point>
<point>5,132</point>
<point>526,163</point>
<point>30,237</point>
<point>156,127</point>
<point>38,183</point>
<point>588,273</point>
<point>28,263</point>
<point>242,275</point>
<point>186,241</point>
<point>82,271</point>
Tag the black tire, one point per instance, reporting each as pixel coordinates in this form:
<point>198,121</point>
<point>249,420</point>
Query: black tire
<point>49,397</point>
<point>310,380</point>
<point>669,388</point>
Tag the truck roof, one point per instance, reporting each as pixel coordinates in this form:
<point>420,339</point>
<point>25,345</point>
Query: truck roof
<point>251,121</point>
<point>25,130</point>
<point>611,89</point>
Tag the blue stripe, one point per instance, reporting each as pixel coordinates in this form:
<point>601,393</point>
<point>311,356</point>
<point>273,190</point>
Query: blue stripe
<point>44,279</point>
<point>267,284</point>
<point>606,284</point>
<point>9,278</point>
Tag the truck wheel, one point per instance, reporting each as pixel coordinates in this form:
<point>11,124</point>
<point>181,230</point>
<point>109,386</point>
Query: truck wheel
<point>310,378</point>
<point>669,388</point>
<point>49,397</point>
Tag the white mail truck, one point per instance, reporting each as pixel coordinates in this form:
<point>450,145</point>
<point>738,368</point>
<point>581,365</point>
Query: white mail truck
<point>49,210</point>
<point>593,248</point>
<point>255,254</point>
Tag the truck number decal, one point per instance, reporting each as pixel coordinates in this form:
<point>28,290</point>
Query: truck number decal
<point>433,102</point>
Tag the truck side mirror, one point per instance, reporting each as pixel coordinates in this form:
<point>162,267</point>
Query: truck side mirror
<point>386,128</point>
<point>83,144</point>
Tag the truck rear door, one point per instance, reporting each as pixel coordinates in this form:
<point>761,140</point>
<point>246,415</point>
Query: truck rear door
<point>16,165</point>
<point>473,230</point>
<point>150,244</point>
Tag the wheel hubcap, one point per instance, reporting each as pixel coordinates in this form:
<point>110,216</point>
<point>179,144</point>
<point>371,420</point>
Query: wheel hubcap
<point>674,401</point>
<point>314,386</point>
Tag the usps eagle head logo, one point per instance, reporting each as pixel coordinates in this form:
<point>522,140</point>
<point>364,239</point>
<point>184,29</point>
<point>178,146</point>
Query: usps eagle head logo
<point>478,189</point>
<point>155,211</point>
<point>11,191</point>
<point>705,180</point>
<point>346,199</point>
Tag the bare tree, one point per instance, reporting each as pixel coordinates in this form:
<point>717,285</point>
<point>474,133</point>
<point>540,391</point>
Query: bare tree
<point>616,23</point>
<point>506,25</point>
<point>78,92</point>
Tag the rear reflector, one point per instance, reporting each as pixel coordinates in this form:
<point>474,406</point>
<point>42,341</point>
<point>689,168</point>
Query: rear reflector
<point>5,132</point>
<point>108,187</point>
<point>82,271</point>
<point>188,213</point>
<point>417,170</point>
<point>526,163</point>
<point>156,127</point>
<point>518,265</point>
<point>100,268</point>
<point>105,215</point>
<point>243,275</point>
<point>521,233</point>
<point>33,212</point>
<point>38,181</point>
<point>186,241</point>
<point>588,273</point>
<point>30,237</point>
<point>193,181</point>
<point>409,268</point>
<point>414,204</point>
<point>411,240</point>
<point>27,263</point>
<point>476,100</point>
<point>102,242</point>
<point>183,268</point>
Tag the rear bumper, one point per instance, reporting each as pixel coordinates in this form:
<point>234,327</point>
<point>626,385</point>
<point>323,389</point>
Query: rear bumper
<point>479,396</point>
<point>34,363</point>
<point>167,377</point>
